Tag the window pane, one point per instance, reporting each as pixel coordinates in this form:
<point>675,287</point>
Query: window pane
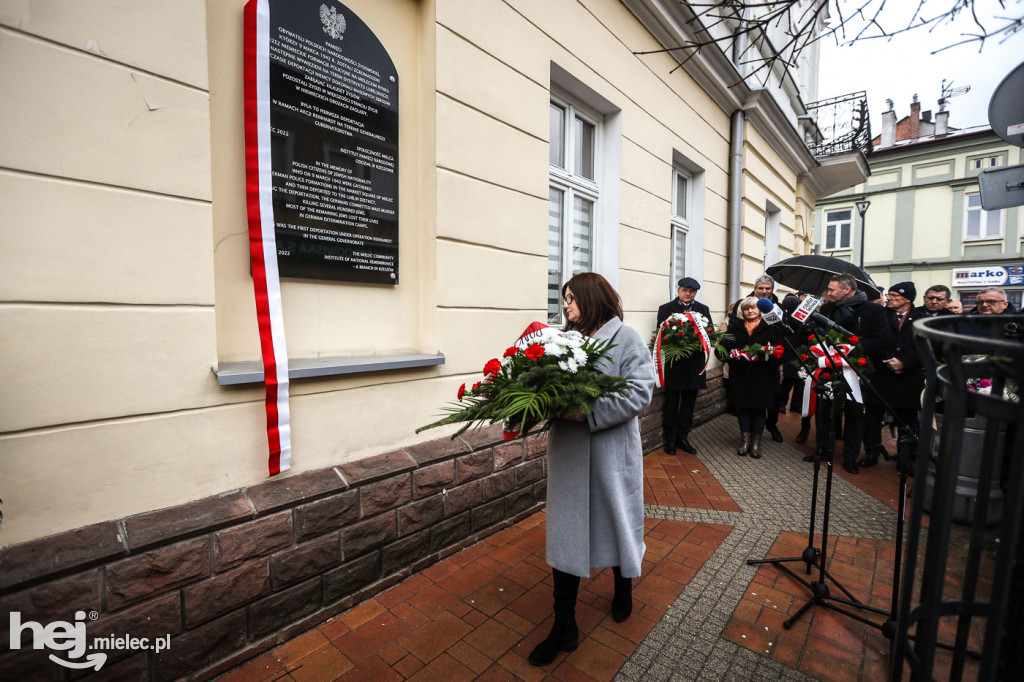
<point>556,156</point>
<point>844,236</point>
<point>973,224</point>
<point>973,201</point>
<point>992,222</point>
<point>582,230</point>
<point>836,216</point>
<point>681,208</point>
<point>555,255</point>
<point>679,257</point>
<point>584,147</point>
<point>830,237</point>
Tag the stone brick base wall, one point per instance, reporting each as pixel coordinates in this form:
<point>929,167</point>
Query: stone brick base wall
<point>230,576</point>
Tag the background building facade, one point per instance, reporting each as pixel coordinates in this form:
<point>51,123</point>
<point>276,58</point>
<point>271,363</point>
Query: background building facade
<point>925,222</point>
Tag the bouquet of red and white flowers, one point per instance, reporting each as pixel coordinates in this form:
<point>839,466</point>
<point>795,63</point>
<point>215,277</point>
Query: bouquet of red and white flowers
<point>826,359</point>
<point>546,374</point>
<point>681,336</point>
<point>755,352</point>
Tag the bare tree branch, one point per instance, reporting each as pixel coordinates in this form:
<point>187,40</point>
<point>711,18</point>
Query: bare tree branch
<point>721,22</point>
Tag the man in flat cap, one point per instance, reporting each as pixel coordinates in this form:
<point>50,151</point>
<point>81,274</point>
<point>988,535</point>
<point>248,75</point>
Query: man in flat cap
<point>683,378</point>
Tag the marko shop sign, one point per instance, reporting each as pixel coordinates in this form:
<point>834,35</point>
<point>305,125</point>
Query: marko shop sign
<point>989,276</point>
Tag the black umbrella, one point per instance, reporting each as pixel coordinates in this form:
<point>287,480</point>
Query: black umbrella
<point>812,273</point>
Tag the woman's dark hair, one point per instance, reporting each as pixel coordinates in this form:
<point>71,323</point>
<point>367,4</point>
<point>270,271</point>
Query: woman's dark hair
<point>598,301</point>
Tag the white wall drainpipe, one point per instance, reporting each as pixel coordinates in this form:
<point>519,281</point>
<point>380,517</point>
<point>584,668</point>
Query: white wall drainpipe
<point>735,205</point>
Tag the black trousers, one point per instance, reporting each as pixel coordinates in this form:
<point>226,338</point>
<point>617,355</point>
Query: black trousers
<point>677,413</point>
<point>873,415</point>
<point>853,416</point>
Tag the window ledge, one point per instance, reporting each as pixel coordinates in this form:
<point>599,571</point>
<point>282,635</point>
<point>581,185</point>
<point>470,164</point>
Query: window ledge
<point>982,240</point>
<point>231,373</point>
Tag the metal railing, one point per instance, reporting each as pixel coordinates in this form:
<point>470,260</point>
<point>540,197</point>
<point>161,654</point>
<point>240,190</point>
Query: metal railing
<point>844,124</point>
<point>962,593</point>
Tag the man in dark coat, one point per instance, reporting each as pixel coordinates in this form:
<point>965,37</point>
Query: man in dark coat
<point>935,300</point>
<point>899,379</point>
<point>851,310</point>
<point>682,378</point>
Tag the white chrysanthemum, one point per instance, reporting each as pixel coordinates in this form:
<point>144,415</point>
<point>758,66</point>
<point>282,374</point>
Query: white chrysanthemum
<point>554,349</point>
<point>563,365</point>
<point>580,356</point>
<point>571,365</point>
<point>574,337</point>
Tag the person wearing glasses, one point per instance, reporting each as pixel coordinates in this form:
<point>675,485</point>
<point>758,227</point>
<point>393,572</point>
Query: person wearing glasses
<point>990,301</point>
<point>683,378</point>
<point>595,495</point>
<point>936,302</point>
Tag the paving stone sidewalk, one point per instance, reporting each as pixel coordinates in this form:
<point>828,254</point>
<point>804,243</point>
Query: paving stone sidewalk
<point>701,613</point>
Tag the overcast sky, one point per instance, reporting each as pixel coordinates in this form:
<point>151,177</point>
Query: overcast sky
<point>898,68</point>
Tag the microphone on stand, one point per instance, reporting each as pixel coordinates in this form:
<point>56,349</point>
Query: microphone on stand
<point>770,312</point>
<point>805,315</point>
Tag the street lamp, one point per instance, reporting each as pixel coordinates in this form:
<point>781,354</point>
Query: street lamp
<point>862,208</point>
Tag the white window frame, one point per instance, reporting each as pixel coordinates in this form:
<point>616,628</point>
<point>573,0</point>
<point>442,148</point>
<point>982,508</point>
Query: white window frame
<point>573,185</point>
<point>682,211</point>
<point>837,245</point>
<point>983,219</point>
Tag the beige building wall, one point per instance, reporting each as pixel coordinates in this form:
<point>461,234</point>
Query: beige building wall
<point>125,275</point>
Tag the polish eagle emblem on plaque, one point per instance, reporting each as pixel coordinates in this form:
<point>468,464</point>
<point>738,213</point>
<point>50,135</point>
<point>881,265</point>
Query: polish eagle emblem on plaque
<point>334,23</point>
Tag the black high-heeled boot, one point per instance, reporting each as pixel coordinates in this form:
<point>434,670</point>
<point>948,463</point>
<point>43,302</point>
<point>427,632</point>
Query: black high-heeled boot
<point>622,602</point>
<point>564,635</point>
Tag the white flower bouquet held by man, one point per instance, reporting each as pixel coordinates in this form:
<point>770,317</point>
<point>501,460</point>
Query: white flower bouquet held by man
<point>546,374</point>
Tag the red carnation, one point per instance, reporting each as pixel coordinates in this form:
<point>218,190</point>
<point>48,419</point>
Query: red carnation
<point>862,361</point>
<point>510,351</point>
<point>476,385</point>
<point>826,376</point>
<point>509,435</point>
<point>535,351</point>
<point>778,351</point>
<point>492,367</point>
<point>854,339</point>
<point>811,338</point>
<point>804,357</point>
<point>462,391</point>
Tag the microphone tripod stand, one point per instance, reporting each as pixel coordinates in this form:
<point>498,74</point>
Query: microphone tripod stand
<point>812,557</point>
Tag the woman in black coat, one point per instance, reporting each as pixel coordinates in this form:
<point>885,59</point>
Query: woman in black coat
<point>752,385</point>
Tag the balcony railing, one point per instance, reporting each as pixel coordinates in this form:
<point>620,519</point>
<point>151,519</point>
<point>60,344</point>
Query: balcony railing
<point>843,124</point>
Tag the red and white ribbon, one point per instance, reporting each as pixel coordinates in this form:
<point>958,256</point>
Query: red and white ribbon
<point>658,358</point>
<point>262,240</point>
<point>834,360</point>
<point>705,342</point>
<point>809,400</point>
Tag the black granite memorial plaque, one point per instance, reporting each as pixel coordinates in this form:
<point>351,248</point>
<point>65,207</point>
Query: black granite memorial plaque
<point>334,144</point>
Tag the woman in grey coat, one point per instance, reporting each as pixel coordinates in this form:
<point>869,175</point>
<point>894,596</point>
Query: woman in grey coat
<point>595,499</point>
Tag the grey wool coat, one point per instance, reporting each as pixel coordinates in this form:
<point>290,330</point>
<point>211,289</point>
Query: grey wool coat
<point>595,496</point>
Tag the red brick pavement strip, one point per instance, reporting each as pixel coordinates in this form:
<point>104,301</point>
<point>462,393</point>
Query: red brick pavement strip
<point>681,480</point>
<point>823,644</point>
<point>461,619</point>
